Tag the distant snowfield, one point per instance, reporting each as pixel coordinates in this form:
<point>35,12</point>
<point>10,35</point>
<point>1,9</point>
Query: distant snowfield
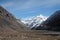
<point>34,21</point>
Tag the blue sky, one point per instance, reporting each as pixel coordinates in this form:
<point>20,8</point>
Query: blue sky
<point>29,8</point>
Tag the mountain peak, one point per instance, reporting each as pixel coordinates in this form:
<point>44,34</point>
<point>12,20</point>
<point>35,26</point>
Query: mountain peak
<point>58,11</point>
<point>52,23</point>
<point>34,21</point>
<point>5,13</point>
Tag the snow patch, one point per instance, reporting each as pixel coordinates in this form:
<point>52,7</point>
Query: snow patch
<point>34,21</point>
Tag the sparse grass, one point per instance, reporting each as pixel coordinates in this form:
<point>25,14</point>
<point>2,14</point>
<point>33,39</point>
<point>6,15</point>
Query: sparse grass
<point>25,35</point>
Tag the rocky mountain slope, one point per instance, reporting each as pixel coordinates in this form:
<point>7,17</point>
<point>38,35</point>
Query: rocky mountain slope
<point>8,22</point>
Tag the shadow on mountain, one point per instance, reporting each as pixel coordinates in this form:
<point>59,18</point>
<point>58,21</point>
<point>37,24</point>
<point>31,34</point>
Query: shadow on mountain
<point>52,23</point>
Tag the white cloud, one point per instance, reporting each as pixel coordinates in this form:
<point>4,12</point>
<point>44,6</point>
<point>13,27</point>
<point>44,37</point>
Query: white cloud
<point>28,6</point>
<point>7,4</point>
<point>31,4</point>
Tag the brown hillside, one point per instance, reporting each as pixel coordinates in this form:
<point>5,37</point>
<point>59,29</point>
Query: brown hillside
<point>9,22</point>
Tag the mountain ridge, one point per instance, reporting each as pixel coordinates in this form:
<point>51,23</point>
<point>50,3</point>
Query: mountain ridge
<point>9,22</point>
<point>34,21</point>
<point>52,23</point>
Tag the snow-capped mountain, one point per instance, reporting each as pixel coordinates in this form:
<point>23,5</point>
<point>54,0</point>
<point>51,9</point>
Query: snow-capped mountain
<point>34,21</point>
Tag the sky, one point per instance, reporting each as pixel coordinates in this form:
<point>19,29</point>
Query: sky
<point>30,8</point>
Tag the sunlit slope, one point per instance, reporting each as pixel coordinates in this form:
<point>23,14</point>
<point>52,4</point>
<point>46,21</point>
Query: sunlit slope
<point>8,22</point>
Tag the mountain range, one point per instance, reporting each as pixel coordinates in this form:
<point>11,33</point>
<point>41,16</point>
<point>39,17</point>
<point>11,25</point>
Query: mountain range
<point>15,29</point>
<point>52,23</point>
<point>34,21</point>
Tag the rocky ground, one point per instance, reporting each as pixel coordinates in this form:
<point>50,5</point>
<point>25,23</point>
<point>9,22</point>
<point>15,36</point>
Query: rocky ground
<point>30,35</point>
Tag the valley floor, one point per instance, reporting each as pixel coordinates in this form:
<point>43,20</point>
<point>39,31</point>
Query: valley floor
<point>30,35</point>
